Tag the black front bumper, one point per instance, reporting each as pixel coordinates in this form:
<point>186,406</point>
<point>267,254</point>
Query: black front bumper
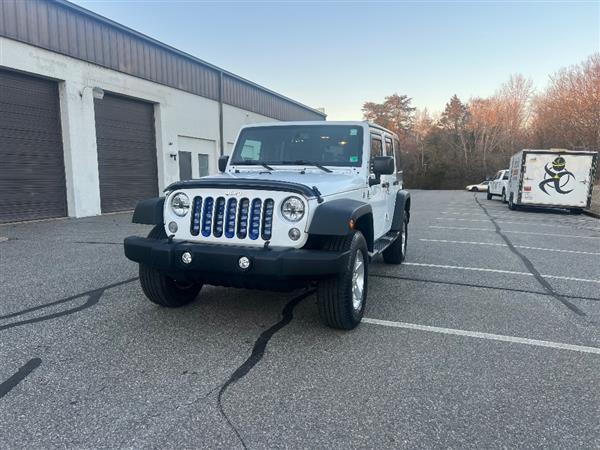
<point>219,262</point>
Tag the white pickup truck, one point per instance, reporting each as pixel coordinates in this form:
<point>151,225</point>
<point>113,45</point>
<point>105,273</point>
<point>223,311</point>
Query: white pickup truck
<point>554,178</point>
<point>499,185</point>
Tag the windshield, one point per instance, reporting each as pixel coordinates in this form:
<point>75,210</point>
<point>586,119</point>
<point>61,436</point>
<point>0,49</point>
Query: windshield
<point>327,145</point>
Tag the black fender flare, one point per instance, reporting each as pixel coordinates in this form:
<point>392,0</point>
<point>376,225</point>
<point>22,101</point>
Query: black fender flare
<point>402,207</point>
<point>149,212</point>
<point>333,218</point>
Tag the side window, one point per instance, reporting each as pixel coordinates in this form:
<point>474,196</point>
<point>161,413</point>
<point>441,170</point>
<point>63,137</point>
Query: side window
<point>376,146</point>
<point>389,147</point>
<point>505,176</point>
<point>397,154</point>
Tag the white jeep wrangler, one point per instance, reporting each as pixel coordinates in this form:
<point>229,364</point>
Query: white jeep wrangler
<point>297,203</point>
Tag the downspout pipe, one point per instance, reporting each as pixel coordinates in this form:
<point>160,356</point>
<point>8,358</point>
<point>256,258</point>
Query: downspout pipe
<point>221,137</point>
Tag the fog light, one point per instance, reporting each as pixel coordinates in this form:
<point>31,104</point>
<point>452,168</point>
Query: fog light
<point>244,263</point>
<point>294,234</point>
<point>186,257</point>
<point>173,227</point>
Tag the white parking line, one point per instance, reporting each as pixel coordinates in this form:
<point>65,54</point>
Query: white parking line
<point>488,336</point>
<point>516,232</point>
<point>524,222</point>
<point>517,246</point>
<point>464,213</point>
<point>509,272</point>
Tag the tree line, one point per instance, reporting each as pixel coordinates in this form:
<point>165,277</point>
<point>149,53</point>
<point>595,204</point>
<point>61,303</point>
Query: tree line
<point>470,140</point>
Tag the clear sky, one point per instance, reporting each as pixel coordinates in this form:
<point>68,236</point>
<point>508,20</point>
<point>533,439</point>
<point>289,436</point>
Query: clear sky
<point>339,54</point>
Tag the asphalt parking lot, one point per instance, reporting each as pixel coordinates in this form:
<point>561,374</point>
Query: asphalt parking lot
<point>488,336</point>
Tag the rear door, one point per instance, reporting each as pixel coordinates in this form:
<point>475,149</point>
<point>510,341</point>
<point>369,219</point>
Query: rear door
<point>389,184</point>
<point>557,179</point>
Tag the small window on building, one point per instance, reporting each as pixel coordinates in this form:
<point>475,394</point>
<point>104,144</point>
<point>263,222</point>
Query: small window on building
<point>202,164</point>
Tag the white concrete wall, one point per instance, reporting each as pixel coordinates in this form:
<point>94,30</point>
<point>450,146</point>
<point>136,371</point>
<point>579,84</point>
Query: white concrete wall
<point>177,113</point>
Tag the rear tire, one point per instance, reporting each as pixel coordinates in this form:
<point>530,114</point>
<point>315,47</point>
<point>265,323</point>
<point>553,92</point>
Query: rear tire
<point>161,289</point>
<point>576,211</point>
<point>489,195</point>
<point>341,300</point>
<point>396,253</point>
<point>474,189</point>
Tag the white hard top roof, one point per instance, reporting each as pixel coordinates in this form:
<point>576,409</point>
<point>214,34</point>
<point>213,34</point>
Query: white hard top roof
<point>360,123</point>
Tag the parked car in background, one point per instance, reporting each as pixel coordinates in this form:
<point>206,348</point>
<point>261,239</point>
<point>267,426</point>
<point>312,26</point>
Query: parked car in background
<point>481,187</point>
<point>498,185</point>
<point>556,178</point>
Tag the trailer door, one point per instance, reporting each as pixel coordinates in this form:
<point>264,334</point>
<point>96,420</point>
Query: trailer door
<point>557,179</point>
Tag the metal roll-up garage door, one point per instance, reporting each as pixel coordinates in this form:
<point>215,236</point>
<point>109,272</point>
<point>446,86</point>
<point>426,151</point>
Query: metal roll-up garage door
<point>32,167</point>
<point>126,152</point>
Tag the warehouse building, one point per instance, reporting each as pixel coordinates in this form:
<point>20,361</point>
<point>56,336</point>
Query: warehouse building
<point>95,116</point>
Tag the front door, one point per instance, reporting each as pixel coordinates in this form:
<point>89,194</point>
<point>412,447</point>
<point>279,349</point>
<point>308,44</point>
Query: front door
<point>185,165</point>
<point>377,193</point>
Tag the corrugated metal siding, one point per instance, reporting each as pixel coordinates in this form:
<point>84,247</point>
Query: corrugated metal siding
<point>238,93</point>
<point>67,30</point>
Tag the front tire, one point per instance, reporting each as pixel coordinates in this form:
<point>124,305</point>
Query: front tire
<point>161,289</point>
<point>396,253</point>
<point>474,189</point>
<point>341,299</point>
<point>489,195</point>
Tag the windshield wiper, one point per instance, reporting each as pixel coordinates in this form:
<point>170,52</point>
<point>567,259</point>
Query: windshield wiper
<point>301,162</point>
<point>253,163</point>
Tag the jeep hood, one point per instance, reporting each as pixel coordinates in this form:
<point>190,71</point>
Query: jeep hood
<point>326,183</point>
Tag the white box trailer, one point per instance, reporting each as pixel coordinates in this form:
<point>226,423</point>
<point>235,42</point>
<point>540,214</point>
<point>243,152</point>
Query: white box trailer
<point>555,178</point>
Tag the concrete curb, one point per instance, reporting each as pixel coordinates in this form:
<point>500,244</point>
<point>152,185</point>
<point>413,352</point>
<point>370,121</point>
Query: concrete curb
<point>591,213</point>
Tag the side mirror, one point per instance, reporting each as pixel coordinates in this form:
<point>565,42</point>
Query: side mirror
<point>383,165</point>
<point>223,160</point>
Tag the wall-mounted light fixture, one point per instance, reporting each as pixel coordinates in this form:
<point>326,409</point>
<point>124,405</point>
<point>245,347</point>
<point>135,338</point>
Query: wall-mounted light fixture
<point>97,93</point>
<point>174,156</point>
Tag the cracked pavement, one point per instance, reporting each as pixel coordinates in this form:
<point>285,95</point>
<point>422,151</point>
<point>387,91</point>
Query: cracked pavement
<point>87,361</point>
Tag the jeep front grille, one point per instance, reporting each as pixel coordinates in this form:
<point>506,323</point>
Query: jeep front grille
<point>246,218</point>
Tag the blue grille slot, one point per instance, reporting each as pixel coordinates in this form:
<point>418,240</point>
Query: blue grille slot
<point>195,218</point>
<point>207,214</point>
<point>254,226</point>
<point>219,217</point>
<point>267,219</point>
<point>230,218</point>
<point>243,218</point>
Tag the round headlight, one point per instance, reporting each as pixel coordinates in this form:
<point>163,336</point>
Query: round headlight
<point>180,204</point>
<point>292,209</point>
